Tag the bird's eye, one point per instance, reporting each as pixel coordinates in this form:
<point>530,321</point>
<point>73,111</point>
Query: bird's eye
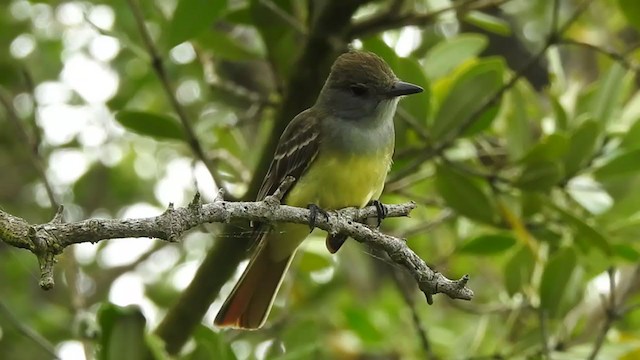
<point>358,89</point>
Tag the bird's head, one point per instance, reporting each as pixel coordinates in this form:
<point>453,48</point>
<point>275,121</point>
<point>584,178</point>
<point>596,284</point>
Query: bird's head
<point>361,85</point>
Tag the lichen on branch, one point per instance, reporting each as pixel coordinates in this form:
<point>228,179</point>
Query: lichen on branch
<point>49,239</point>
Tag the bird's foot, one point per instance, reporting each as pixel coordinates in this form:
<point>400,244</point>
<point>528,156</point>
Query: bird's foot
<point>315,210</point>
<point>381,210</point>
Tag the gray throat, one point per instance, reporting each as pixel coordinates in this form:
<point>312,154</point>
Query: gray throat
<point>371,134</point>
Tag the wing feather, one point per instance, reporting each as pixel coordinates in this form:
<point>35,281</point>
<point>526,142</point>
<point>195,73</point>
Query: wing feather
<point>296,150</point>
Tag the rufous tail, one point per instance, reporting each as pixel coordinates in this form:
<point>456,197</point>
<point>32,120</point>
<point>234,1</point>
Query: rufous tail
<point>250,301</point>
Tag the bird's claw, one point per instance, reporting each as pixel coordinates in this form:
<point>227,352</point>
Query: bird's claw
<point>314,211</point>
<point>381,210</point>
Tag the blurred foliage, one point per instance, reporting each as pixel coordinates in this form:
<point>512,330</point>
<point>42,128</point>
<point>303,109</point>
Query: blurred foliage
<point>532,193</point>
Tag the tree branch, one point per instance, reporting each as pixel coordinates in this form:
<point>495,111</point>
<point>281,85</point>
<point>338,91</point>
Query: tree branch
<point>50,239</point>
<point>32,141</point>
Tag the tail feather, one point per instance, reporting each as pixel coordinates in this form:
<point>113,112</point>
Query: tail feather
<point>334,242</point>
<point>251,299</point>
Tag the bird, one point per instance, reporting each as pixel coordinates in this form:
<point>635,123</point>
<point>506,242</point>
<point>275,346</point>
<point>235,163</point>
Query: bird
<point>339,152</point>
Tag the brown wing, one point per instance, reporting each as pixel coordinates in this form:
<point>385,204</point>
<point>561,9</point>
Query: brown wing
<point>297,148</point>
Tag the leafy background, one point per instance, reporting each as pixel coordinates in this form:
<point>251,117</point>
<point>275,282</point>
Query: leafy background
<point>523,155</point>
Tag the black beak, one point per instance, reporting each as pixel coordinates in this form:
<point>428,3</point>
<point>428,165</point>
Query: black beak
<point>403,88</point>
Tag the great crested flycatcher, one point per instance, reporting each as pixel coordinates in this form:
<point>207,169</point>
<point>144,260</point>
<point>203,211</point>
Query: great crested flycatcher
<point>339,152</point>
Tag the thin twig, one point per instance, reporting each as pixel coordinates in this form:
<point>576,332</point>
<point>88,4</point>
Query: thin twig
<point>28,332</point>
<point>555,17</point>
<point>276,10</point>
<point>427,226</point>
<point>229,87</point>
<point>408,298</point>
<point>32,150</point>
<point>617,57</point>
<point>610,310</point>
<point>413,124</point>
<point>161,72</point>
<point>544,333</point>
<point>492,178</point>
<point>36,131</point>
<point>383,21</point>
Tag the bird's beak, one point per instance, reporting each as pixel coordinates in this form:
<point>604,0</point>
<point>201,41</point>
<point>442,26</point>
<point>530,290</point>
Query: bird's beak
<point>403,88</point>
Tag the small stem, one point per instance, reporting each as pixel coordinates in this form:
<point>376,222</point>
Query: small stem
<point>32,147</point>
<point>617,57</point>
<point>407,296</point>
<point>611,314</point>
<point>544,333</point>
<point>28,332</point>
<point>161,72</point>
<point>383,21</point>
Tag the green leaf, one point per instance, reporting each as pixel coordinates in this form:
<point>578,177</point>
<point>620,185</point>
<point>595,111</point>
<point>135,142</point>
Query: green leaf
<point>464,195</point>
<point>122,334</point>
<point>11,73</point>
<point>626,163</point>
<point>548,235</point>
<point>552,147</point>
<point>360,322</point>
<point>239,16</point>
<point>488,22</point>
<point>226,47</point>
<point>584,230</point>
<point>484,121</point>
<point>472,89</point>
<point>531,203</point>
<point>627,252</point>
<point>590,194</point>
<point>631,10</point>
<point>417,105</point>
<point>488,244</point>
<point>315,257</point>
<point>376,45</point>
<point>449,53</point>
<point>161,127</point>
<point>555,280</point>
<point>191,17</point>
<point>540,176</point>
<point>518,130</point>
<point>560,117</point>
<point>631,139</point>
<point>157,348</point>
<point>581,146</point>
<point>518,270</point>
<point>210,345</point>
<point>609,93</point>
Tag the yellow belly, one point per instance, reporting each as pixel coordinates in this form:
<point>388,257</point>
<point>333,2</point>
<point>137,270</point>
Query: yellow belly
<point>335,182</point>
<point>332,182</point>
